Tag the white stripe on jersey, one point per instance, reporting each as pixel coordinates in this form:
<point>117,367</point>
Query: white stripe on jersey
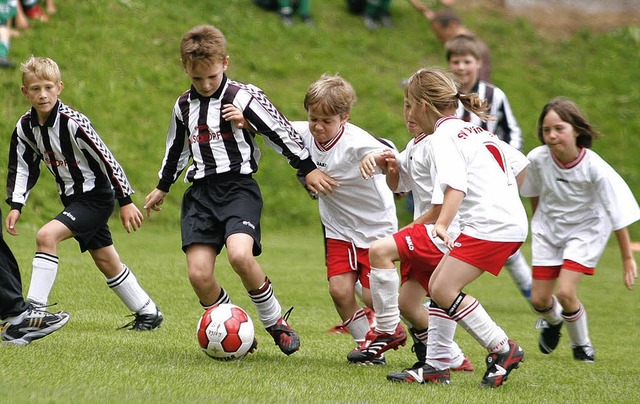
<point>360,211</point>
<point>491,209</point>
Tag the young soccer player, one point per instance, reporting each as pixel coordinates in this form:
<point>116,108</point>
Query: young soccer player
<point>577,200</point>
<point>464,58</point>
<point>418,252</point>
<point>89,179</point>
<point>20,322</point>
<point>474,171</point>
<point>358,212</point>
<point>223,205</point>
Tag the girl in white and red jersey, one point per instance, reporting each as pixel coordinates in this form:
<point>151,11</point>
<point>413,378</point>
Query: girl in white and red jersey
<point>577,199</point>
<point>355,214</point>
<point>473,171</point>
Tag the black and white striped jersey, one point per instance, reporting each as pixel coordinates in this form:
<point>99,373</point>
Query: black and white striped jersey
<point>198,133</point>
<point>505,124</point>
<point>71,149</point>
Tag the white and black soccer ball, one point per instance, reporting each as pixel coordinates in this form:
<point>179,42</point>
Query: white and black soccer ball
<point>225,332</point>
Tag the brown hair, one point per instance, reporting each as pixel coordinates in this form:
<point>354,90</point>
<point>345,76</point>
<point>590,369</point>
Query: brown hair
<point>437,89</point>
<point>569,112</point>
<point>204,43</point>
<point>333,94</point>
<point>462,45</point>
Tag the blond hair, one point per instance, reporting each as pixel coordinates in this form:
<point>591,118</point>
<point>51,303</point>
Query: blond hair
<point>203,44</point>
<point>42,68</point>
<point>438,90</point>
<point>332,94</point>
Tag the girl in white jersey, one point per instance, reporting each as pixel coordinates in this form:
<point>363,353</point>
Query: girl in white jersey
<point>577,199</point>
<point>474,172</point>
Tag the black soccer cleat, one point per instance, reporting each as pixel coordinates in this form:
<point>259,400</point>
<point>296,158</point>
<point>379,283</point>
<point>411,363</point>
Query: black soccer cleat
<point>585,353</point>
<point>421,373</point>
<point>549,336</point>
<point>144,322</point>
<point>499,365</point>
<point>376,344</point>
<point>284,336</point>
<point>36,324</point>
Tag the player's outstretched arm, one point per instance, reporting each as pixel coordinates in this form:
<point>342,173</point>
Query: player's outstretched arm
<point>320,183</point>
<point>629,266</point>
<point>131,217</point>
<point>153,201</point>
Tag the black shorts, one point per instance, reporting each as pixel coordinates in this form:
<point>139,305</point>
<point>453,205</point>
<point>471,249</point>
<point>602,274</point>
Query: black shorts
<point>87,217</point>
<point>213,210</point>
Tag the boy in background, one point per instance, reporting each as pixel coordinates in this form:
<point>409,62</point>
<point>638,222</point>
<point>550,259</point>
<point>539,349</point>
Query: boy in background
<point>89,179</point>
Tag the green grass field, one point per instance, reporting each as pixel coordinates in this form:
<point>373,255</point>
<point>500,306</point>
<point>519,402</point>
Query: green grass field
<point>120,66</point>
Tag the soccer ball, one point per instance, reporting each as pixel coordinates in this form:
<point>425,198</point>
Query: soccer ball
<point>225,332</point>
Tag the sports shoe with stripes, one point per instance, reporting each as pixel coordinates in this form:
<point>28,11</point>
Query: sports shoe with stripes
<point>421,374</point>
<point>499,365</point>
<point>377,343</point>
<point>36,324</point>
<point>585,353</point>
<point>144,322</point>
<point>285,338</point>
<point>549,336</point>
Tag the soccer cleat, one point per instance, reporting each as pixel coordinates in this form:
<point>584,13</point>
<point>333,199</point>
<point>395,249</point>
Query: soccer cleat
<point>550,335</point>
<point>285,338</point>
<point>376,343</point>
<point>35,325</point>
<point>584,353</point>
<point>338,329</point>
<point>421,374</point>
<point>466,366</point>
<point>499,365</point>
<point>254,346</point>
<point>144,322</point>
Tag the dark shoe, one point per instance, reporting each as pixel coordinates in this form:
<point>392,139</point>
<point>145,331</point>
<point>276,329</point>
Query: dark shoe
<point>421,374</point>
<point>500,365</point>
<point>376,344</point>
<point>285,338</point>
<point>584,353</point>
<point>144,322</point>
<point>5,63</point>
<point>550,335</point>
<point>35,325</point>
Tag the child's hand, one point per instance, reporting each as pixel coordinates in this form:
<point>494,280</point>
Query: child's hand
<point>385,160</point>
<point>232,113</point>
<point>153,201</point>
<point>630,272</point>
<point>11,221</point>
<point>320,183</point>
<point>440,232</point>
<point>131,217</point>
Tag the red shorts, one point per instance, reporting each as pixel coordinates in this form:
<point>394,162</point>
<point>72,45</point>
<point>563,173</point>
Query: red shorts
<point>490,256</point>
<point>551,273</point>
<point>344,257</point>
<point>419,256</point>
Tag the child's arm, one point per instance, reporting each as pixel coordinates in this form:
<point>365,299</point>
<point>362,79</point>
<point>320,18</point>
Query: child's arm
<point>450,205</point>
<point>320,183</point>
<point>232,113</point>
<point>11,220</point>
<point>630,268</point>
<point>131,217</point>
<point>154,200</point>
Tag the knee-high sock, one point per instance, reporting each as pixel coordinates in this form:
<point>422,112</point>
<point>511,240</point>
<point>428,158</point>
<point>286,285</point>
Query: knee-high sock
<point>441,348</point>
<point>576,324</point>
<point>267,305</point>
<point>520,271</point>
<point>222,298</point>
<point>384,293</point>
<point>43,276</point>
<point>358,325</point>
<point>126,286</point>
<point>552,314</point>
<point>477,322</point>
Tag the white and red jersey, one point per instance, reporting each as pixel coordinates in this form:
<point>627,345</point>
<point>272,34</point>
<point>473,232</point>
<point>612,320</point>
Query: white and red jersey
<point>470,159</point>
<point>584,197</point>
<point>359,211</point>
<point>414,164</point>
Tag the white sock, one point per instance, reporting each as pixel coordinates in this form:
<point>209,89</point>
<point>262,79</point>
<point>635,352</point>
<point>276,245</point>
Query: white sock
<point>384,293</point>
<point>577,328</point>
<point>358,325</point>
<point>553,314</point>
<point>440,346</point>
<point>43,276</point>
<point>267,305</point>
<point>358,289</point>
<point>519,270</point>
<point>126,286</point>
<point>477,322</point>
<point>222,299</point>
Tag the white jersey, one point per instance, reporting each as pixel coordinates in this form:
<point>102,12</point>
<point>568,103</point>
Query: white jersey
<point>359,211</point>
<point>470,159</point>
<point>415,175</point>
<point>585,199</point>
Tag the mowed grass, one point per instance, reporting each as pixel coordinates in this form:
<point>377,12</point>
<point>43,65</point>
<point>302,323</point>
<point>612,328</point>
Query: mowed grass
<point>90,361</point>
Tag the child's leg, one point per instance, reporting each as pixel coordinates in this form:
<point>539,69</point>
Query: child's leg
<point>122,281</point>
<point>520,273</point>
<point>201,260</point>
<point>573,313</point>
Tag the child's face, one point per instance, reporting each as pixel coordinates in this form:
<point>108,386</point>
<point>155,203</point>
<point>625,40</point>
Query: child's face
<point>42,93</point>
<point>466,69</point>
<point>559,136</point>
<point>412,126</point>
<point>207,77</point>
<point>322,126</point>
<point>420,115</point>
